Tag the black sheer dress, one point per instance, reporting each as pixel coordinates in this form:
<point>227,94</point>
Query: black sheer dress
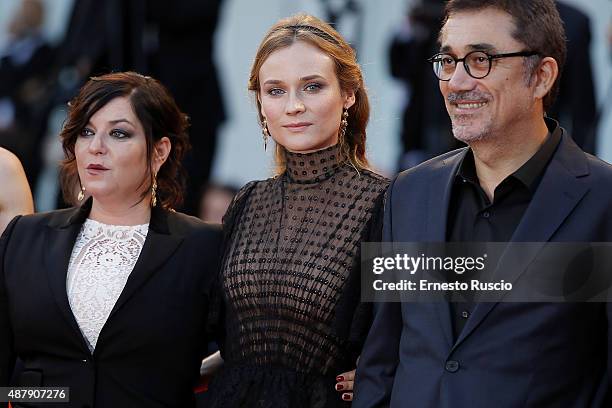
<point>291,283</point>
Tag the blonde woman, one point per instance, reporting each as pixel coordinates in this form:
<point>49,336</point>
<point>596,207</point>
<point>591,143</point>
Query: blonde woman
<point>290,273</point>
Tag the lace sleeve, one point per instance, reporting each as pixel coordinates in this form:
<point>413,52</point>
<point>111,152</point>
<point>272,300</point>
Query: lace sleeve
<point>373,231</point>
<point>363,316</point>
<point>234,209</point>
<point>216,327</point>
<point>354,317</point>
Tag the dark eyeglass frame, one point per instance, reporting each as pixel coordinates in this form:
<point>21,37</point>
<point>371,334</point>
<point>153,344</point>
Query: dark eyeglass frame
<point>490,57</point>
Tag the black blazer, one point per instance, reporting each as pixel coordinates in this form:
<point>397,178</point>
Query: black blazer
<point>149,351</point>
<point>508,354</point>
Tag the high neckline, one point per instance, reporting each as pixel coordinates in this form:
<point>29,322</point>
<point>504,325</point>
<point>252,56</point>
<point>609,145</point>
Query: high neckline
<point>313,167</point>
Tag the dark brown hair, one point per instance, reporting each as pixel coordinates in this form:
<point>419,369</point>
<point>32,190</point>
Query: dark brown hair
<point>309,29</point>
<point>537,25</point>
<point>157,112</point>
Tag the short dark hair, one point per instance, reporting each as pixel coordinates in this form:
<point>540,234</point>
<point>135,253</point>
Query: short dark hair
<point>537,25</point>
<point>157,112</point>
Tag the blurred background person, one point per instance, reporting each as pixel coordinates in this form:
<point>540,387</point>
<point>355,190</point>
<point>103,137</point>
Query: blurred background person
<point>181,57</point>
<point>214,202</point>
<point>610,37</point>
<point>24,65</point>
<point>121,35</point>
<point>172,42</point>
<point>575,107</point>
<point>426,128</point>
<point>15,195</point>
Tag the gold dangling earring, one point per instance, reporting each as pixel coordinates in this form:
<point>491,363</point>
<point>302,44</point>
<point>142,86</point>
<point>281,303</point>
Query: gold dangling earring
<point>343,126</point>
<point>154,191</point>
<point>265,132</point>
<point>81,194</point>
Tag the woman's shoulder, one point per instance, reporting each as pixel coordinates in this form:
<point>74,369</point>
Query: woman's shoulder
<point>250,187</point>
<point>26,225</point>
<point>9,164</point>
<point>241,198</point>
<point>185,224</point>
<point>369,179</point>
<point>376,178</point>
<point>259,185</point>
<point>51,218</point>
<point>16,195</point>
<point>198,237</point>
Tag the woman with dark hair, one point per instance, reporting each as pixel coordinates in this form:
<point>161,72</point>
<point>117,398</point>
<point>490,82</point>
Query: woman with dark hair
<point>109,298</point>
<point>290,272</point>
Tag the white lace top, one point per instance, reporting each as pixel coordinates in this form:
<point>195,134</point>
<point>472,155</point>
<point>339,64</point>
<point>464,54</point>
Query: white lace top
<point>101,262</point>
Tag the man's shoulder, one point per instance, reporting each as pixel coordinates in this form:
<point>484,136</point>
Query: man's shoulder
<point>579,163</point>
<point>441,163</point>
<point>598,165</point>
<point>600,170</point>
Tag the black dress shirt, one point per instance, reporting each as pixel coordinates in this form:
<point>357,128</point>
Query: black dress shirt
<point>472,217</point>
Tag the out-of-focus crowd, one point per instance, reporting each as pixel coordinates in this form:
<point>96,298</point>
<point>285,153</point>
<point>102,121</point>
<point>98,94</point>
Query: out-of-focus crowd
<point>175,45</point>
<point>37,79</point>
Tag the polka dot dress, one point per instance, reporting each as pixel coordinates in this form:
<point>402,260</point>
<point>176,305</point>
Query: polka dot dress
<point>291,265</point>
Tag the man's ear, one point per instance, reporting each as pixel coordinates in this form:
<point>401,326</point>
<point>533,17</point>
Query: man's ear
<point>544,77</point>
<point>161,151</point>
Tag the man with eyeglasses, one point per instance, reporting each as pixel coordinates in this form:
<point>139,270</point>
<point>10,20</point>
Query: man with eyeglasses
<point>521,179</point>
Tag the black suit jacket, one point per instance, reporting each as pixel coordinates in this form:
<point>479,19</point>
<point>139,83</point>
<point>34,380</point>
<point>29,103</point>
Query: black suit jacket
<point>150,349</point>
<point>508,354</point>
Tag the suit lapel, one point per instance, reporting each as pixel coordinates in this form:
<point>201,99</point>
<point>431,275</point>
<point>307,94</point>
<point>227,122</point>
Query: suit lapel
<point>440,189</point>
<point>561,189</point>
<point>159,245</point>
<point>60,238</point>
<point>439,195</point>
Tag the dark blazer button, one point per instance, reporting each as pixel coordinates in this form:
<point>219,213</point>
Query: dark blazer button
<point>452,366</point>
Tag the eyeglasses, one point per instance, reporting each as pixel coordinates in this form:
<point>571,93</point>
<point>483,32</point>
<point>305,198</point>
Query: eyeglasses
<point>476,63</point>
